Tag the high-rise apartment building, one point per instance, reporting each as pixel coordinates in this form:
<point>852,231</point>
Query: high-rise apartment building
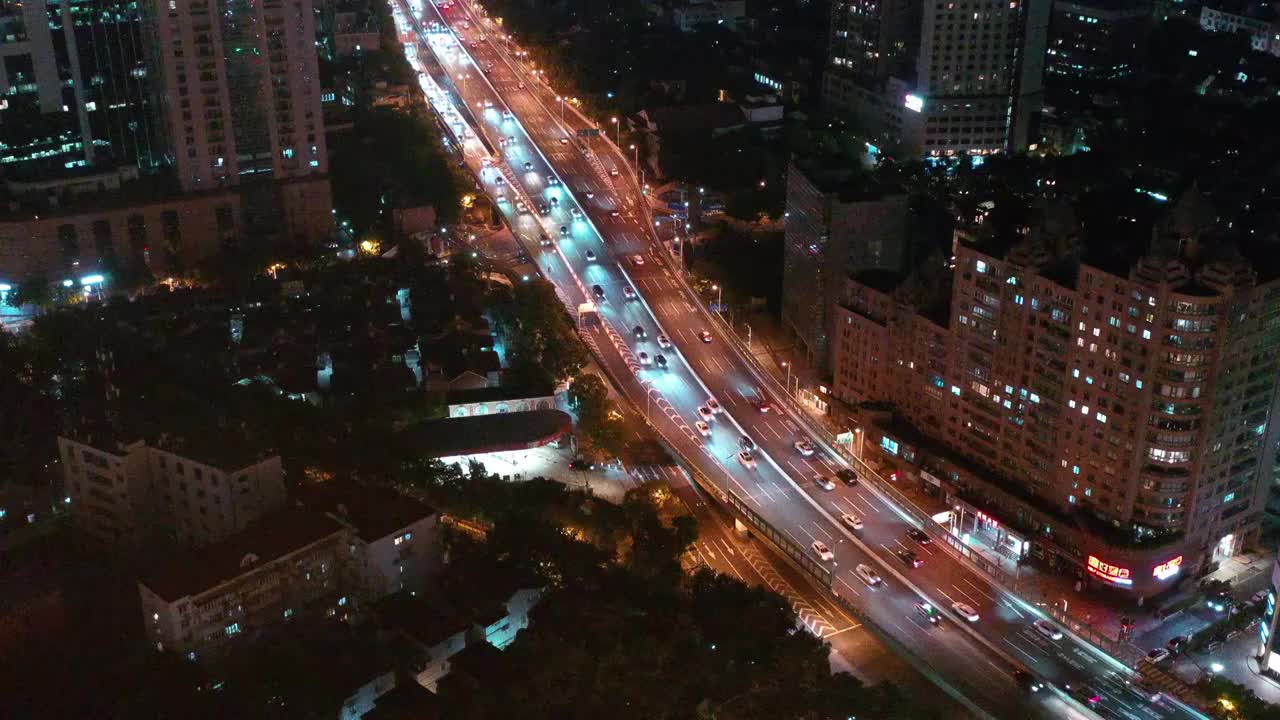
<point>125,494</point>
<point>1112,416</point>
<point>239,87</point>
<point>838,223</point>
<point>975,87</point>
<point>1098,40</point>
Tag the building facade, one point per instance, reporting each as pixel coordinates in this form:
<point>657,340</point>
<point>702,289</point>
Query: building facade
<point>290,564</point>
<point>974,83</point>
<point>1098,40</point>
<point>1122,420</point>
<point>836,225</point>
<point>1259,22</point>
<point>126,494</point>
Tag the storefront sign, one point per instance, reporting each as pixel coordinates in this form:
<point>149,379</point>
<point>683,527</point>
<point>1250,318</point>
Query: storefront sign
<point>930,478</point>
<point>983,517</point>
<point>1169,569</point>
<point>1110,573</point>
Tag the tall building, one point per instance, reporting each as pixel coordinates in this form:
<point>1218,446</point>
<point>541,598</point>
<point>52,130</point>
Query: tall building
<point>129,493</point>
<point>239,87</point>
<point>1112,417</point>
<point>976,86</point>
<point>1260,21</point>
<point>74,86</point>
<point>838,223</point>
<point>1098,40</point>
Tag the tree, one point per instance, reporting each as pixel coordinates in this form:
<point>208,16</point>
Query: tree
<point>598,422</point>
<point>34,291</point>
<point>541,341</point>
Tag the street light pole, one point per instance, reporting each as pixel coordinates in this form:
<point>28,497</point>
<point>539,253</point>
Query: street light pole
<point>719,298</point>
<point>617,131</point>
<point>787,365</point>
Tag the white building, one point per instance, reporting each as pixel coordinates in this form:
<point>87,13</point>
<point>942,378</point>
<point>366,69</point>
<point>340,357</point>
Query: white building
<point>1264,33</point>
<point>122,494</point>
<point>289,564</point>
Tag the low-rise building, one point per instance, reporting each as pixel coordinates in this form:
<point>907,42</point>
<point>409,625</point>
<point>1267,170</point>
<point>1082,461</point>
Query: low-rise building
<point>289,564</point>
<point>124,493</point>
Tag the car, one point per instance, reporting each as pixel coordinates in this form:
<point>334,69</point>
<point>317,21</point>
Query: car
<point>591,256</point>
<point>628,293</point>
<point>705,413</point>
<point>822,551</point>
<point>544,209</point>
<point>520,206</point>
<point>747,443</point>
<point>506,114</point>
<point>520,85</point>
<point>909,558</point>
<point>965,610</point>
<point>714,405</point>
<point>764,407</point>
<point>564,231</point>
<point>1027,681</point>
<point>804,447</point>
<point>1149,692</point>
<point>867,575</point>
<point>614,213</point>
<point>919,536</point>
<point>1220,602</point>
<point>824,482</point>
<point>640,334</point>
<point>590,194</point>
<point>851,521</point>
<point>706,336</point>
<point>637,260</point>
<point>564,141</point>
<point>502,142</point>
<point>545,241</point>
<point>703,429</point>
<point>664,341</point>
<point>660,360</point>
<point>553,180</point>
<point>1177,643</point>
<point>847,476</point>
<point>528,166</point>
<point>613,172</point>
<point>598,292</point>
<point>1259,597</point>
<point>1047,629</point>
<point>511,139</point>
<point>1159,655</point>
<point>575,213</point>
<point>644,358</point>
<point>928,612</point>
<point>747,459</point>
<point>1085,695</point>
<point>499,180</point>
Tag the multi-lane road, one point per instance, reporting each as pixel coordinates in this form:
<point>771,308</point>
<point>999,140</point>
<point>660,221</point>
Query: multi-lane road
<point>597,247</point>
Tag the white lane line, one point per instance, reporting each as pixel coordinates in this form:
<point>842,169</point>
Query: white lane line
<point>846,584</point>
<point>967,596</point>
<point>976,587</point>
<point>1024,652</point>
<point>823,530</point>
<point>769,427</point>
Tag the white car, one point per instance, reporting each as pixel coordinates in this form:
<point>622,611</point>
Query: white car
<point>804,447</point>
<point>705,413</point>
<point>628,293</point>
<point>590,195</point>
<point>703,429</point>
<point>591,256</point>
<point>824,482</point>
<point>706,336</point>
<point>1047,629</point>
<point>1159,655</point>
<point>853,522</point>
<point>575,212</point>
<point>867,575</point>
<point>747,459</point>
<point>965,610</point>
<point>664,341</point>
<point>553,180</point>
<point>637,260</point>
<point>715,406</point>
<point>823,552</point>
<point>645,359</point>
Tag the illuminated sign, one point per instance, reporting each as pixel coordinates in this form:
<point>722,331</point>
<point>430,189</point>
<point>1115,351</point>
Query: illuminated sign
<point>1169,569</point>
<point>983,517</point>
<point>1110,573</point>
<point>915,103</point>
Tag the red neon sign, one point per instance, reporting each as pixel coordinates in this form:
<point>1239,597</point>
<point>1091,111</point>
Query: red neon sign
<point>1108,572</point>
<point>1168,570</point>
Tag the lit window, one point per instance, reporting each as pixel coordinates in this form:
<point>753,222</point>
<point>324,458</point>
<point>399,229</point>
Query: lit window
<point>1075,469</point>
<point>342,601</point>
<point>1101,417</point>
<point>1146,334</point>
<point>890,445</point>
<point>233,629</point>
<point>1137,384</point>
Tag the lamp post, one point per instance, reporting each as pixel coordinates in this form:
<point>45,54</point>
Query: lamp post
<point>787,365</point>
<point>858,432</point>
<point>617,131</point>
<point>719,298</point>
<point>560,100</point>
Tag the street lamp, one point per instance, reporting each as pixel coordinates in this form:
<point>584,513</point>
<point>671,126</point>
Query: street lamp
<point>858,432</point>
<point>561,101</point>
<point>787,365</point>
<point>617,131</point>
<point>720,299</point>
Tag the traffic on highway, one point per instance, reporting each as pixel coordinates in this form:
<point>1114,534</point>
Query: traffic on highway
<point>558,181</point>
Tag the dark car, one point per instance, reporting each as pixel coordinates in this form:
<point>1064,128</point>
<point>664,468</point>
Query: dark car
<point>747,443</point>
<point>597,291</point>
<point>660,361</point>
<point>909,558</point>
<point>1177,643</point>
<point>847,476</point>
<point>1027,681</point>
<point>919,536</point>
<point>638,332</point>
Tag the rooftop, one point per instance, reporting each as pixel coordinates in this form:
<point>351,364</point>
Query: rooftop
<point>375,512</point>
<point>848,183</point>
<point>488,433</point>
<point>274,536</point>
<point>427,622</point>
<point>409,701</point>
<point>692,118</point>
